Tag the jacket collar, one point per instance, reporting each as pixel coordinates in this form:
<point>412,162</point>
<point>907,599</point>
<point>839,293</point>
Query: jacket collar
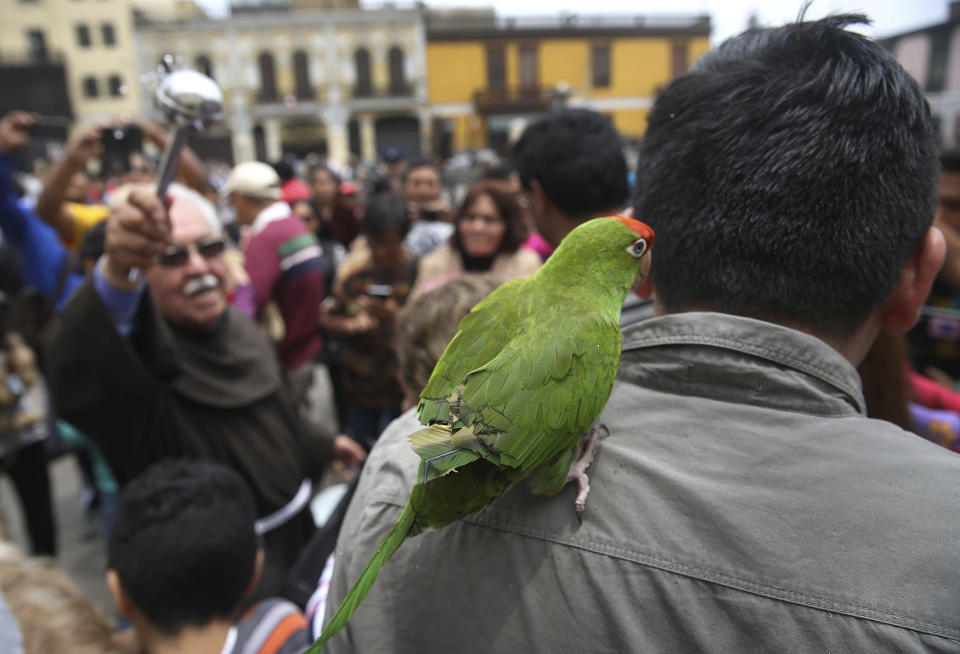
<point>736,359</point>
<point>276,211</point>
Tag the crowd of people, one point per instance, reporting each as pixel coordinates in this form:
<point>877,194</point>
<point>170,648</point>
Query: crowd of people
<point>213,357</point>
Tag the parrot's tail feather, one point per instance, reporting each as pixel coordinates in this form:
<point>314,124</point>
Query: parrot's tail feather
<point>428,471</point>
<point>387,547</point>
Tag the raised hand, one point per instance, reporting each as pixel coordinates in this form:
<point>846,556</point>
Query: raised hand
<point>137,233</point>
<point>15,130</point>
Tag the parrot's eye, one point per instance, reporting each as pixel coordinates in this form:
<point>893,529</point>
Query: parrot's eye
<point>638,247</point>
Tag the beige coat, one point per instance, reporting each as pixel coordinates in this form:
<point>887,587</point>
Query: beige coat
<point>445,263</point>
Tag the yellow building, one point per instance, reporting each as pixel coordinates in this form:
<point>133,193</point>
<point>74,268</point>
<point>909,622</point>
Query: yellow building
<point>94,40</point>
<point>487,75</point>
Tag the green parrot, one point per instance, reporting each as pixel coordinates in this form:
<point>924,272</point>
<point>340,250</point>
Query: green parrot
<point>528,372</point>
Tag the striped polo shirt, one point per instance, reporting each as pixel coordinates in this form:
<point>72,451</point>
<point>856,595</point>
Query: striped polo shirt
<point>285,264</point>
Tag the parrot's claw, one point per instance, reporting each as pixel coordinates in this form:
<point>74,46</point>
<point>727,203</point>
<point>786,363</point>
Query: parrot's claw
<point>583,484</point>
<point>578,471</point>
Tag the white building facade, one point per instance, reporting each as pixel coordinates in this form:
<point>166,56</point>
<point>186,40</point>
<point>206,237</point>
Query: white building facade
<point>337,83</point>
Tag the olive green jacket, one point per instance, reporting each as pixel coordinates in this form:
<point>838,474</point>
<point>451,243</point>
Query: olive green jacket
<point>742,503</point>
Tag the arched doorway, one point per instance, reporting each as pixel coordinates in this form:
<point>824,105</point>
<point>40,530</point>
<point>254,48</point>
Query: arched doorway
<point>301,73</point>
<point>398,78</point>
<point>259,143</point>
<point>268,77</point>
<point>363,86</point>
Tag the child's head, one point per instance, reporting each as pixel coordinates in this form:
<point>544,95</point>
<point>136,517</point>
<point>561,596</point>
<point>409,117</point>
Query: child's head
<point>182,549</point>
<point>53,614</point>
<point>385,225</point>
<point>428,322</point>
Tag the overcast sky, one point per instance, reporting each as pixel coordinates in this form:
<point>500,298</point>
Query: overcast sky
<point>730,16</point>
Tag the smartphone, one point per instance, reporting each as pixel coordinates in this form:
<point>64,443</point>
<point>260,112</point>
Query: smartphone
<point>118,144</point>
<point>429,214</point>
<point>379,290</point>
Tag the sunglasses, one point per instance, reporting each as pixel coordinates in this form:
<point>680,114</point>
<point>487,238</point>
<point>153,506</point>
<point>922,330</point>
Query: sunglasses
<point>175,256</point>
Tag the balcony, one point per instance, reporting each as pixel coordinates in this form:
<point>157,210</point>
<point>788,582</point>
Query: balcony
<point>512,100</point>
<point>396,98</point>
<point>398,90</point>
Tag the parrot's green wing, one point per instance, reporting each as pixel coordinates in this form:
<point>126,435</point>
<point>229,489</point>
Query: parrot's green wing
<point>544,390</point>
<point>513,391</point>
<point>481,336</point>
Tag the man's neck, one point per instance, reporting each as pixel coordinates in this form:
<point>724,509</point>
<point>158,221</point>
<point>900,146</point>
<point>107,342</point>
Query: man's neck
<point>556,226</point>
<point>209,639</point>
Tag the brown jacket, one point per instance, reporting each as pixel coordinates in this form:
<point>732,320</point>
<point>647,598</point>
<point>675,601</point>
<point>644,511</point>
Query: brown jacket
<point>445,263</point>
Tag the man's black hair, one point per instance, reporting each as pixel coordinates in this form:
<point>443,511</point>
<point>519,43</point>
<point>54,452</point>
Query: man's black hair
<point>284,170</point>
<point>183,543</point>
<point>789,177</point>
<point>378,184</point>
<point>386,213</point>
<point>577,157</point>
<point>316,168</point>
<point>950,161</point>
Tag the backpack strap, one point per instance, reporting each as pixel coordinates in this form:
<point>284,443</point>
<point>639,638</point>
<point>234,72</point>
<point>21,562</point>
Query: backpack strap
<point>273,626</point>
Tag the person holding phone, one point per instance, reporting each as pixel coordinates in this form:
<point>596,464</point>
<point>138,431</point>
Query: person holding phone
<point>45,260</point>
<point>64,202</point>
<point>361,313</point>
<point>432,216</point>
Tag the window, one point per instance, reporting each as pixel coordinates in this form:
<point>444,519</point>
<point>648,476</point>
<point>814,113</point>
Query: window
<point>202,64</point>
<point>600,66</point>
<point>496,69</point>
<point>115,84</point>
<point>268,77</point>
<point>528,67</point>
<point>679,56</point>
<point>38,45</point>
<point>301,74</point>
<point>83,35</point>
<point>398,81</point>
<point>937,63</point>
<point>109,37</point>
<point>363,86</point>
<point>90,89</point>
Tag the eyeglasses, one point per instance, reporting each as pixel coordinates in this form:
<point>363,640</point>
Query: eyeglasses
<point>175,256</point>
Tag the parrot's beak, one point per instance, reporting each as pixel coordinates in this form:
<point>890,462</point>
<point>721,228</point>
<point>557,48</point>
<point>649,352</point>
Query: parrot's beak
<point>641,285</point>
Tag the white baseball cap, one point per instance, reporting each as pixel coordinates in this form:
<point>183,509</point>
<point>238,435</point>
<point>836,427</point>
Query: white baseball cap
<point>253,179</point>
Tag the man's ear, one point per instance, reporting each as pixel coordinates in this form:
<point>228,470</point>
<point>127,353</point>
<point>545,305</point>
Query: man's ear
<point>901,310</point>
<point>541,203</point>
<point>125,606</point>
<point>255,577</point>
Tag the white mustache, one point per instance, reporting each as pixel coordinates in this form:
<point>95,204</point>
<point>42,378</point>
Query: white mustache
<point>199,284</point>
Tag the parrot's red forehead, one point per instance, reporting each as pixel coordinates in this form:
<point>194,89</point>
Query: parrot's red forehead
<point>640,228</point>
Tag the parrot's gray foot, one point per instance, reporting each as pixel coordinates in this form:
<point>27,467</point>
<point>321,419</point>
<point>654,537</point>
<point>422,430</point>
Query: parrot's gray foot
<point>586,450</point>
